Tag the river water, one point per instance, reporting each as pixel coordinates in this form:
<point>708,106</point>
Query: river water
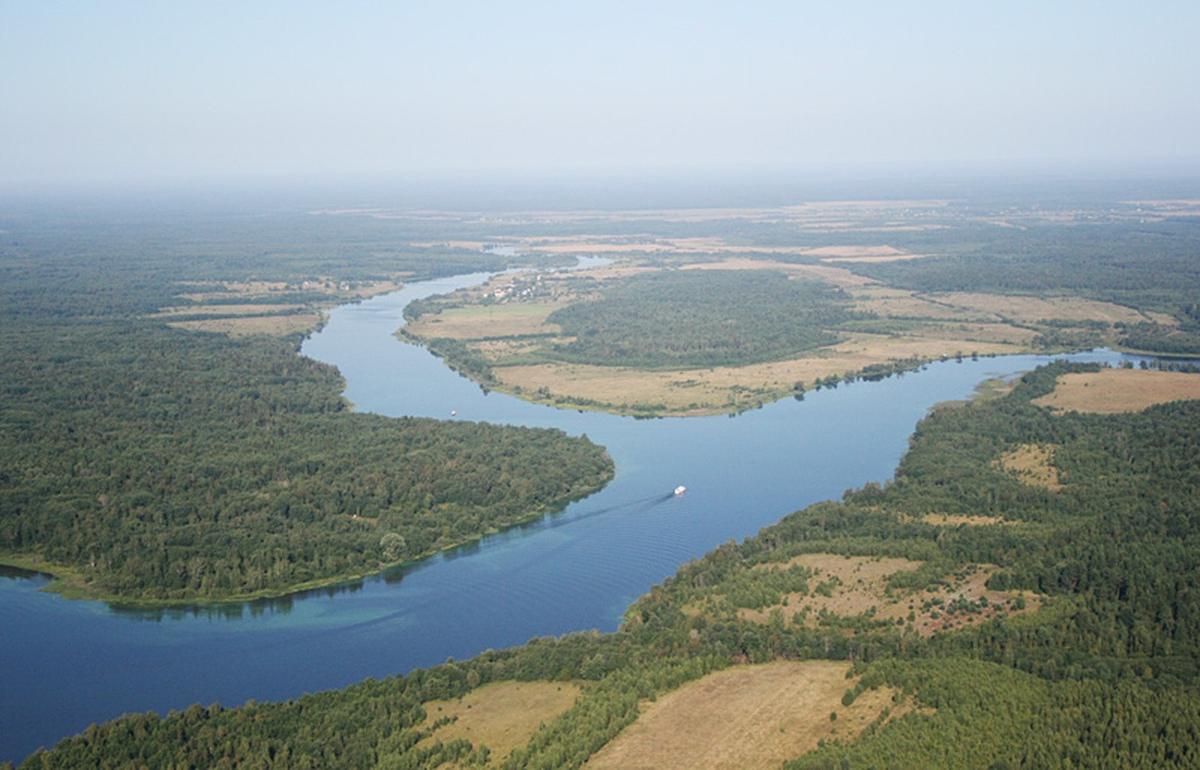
<point>65,664</point>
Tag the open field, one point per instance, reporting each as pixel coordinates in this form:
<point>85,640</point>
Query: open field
<point>1033,464</point>
<point>1028,309</point>
<point>838,276</point>
<point>857,587</point>
<point>245,326</point>
<point>887,302</point>
<point>242,309</point>
<point>1119,390</point>
<point>744,717</point>
<point>722,388</point>
<point>250,290</point>
<point>248,318</point>
<point>958,520</point>
<point>482,321</point>
<point>502,716</point>
<point>926,327</point>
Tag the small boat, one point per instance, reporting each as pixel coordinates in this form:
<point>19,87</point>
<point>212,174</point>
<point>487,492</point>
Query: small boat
<point>679,490</point>
<point>454,413</point>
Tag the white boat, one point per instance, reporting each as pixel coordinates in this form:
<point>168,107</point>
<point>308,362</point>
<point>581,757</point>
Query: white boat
<point>454,413</point>
<point>679,490</point>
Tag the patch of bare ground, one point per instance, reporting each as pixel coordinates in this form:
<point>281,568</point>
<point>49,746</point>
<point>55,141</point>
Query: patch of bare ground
<point>246,326</point>
<point>1110,391</point>
<point>960,520</point>
<point>743,718</point>
<point>855,589</point>
<point>1033,464</point>
<point>502,716</point>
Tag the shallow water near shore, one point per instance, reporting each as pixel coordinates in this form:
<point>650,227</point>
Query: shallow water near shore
<point>67,663</point>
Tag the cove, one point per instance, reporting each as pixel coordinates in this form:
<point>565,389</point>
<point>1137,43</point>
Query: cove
<point>65,664</point>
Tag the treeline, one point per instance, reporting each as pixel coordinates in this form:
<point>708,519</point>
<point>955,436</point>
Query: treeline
<point>695,318</point>
<point>156,464</point>
<point>1149,267</point>
<point>1106,674</point>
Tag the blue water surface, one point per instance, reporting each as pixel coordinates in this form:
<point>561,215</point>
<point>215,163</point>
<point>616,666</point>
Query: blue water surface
<point>66,663</point>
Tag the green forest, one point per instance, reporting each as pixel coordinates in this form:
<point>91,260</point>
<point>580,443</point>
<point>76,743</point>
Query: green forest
<point>145,463</point>
<point>1104,674</point>
<point>700,318</point>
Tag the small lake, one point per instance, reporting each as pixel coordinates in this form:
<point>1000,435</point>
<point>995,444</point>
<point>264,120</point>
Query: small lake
<point>65,664</point>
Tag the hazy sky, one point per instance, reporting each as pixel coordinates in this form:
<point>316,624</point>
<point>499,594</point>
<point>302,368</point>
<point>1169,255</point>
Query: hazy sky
<point>125,91</point>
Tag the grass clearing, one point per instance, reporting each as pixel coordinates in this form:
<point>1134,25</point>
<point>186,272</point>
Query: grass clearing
<point>717,389</point>
<point>242,309</point>
<point>1110,391</point>
<point>1033,464</point>
<point>838,276</point>
<point>245,326</point>
<point>1027,309</point>
<point>850,587</point>
<point>744,717</point>
<point>502,716</point>
<point>959,520</point>
<point>483,321</point>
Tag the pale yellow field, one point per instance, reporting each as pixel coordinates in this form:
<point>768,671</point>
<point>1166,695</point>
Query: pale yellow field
<point>479,321</point>
<point>957,520</point>
<point>245,326</point>
<point>856,252</point>
<point>707,390</point>
<point>1033,464</point>
<point>979,332</point>
<point>243,309</point>
<point>249,290</point>
<point>502,716</point>
<point>744,718</point>
<point>887,302</point>
<point>469,245</point>
<point>838,276</point>
<point>1119,390</point>
<point>859,585</point>
<point>1032,309</point>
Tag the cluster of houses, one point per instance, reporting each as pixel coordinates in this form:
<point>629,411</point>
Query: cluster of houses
<point>518,289</point>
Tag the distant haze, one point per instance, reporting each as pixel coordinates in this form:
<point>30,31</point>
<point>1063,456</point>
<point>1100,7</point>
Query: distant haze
<point>169,92</point>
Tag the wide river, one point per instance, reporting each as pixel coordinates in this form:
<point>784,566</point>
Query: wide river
<point>65,664</point>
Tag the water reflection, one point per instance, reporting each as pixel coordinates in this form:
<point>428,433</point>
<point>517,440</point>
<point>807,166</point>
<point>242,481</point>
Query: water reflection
<point>19,573</point>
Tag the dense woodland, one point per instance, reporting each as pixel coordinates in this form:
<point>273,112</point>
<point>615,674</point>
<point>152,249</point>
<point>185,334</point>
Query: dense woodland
<point>158,464</point>
<point>1104,675</point>
<point>695,318</point>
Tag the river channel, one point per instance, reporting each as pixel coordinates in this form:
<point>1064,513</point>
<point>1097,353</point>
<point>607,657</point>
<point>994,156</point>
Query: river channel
<point>67,663</point>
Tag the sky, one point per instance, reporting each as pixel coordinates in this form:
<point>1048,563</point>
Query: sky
<point>118,92</point>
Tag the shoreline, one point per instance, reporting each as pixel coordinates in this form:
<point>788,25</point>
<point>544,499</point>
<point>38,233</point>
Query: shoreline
<point>70,583</point>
